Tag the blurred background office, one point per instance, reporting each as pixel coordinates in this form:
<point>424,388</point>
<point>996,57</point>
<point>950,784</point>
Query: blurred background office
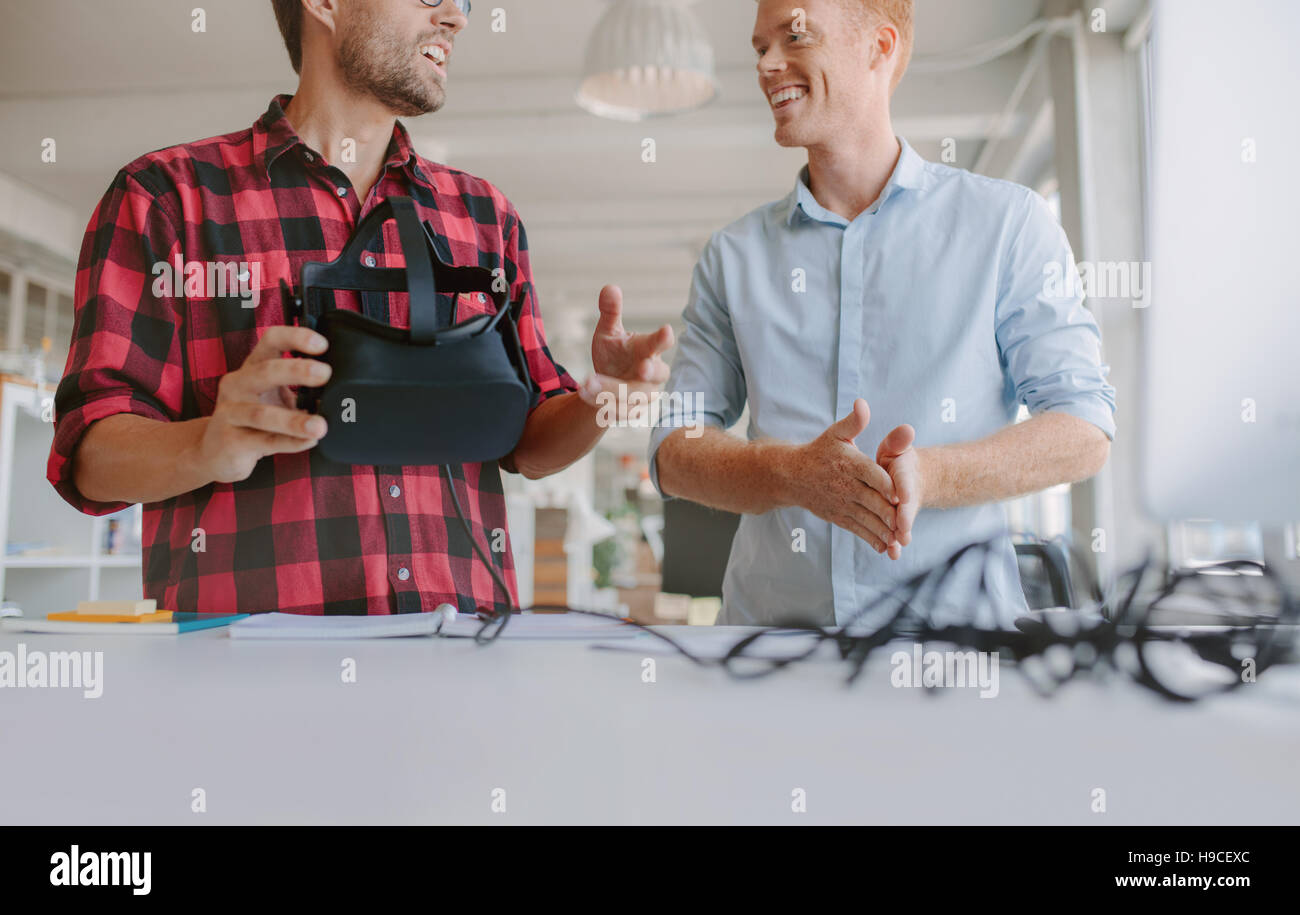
<point>553,103</point>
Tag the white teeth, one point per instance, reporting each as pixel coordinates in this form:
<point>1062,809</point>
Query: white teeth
<point>435,53</point>
<point>785,95</point>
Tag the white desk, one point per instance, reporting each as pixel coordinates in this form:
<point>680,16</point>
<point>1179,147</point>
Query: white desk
<point>574,736</point>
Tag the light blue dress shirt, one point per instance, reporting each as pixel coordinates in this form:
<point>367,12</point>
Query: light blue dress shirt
<point>936,305</point>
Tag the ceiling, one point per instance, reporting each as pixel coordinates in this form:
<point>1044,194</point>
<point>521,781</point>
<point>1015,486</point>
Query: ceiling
<point>111,80</point>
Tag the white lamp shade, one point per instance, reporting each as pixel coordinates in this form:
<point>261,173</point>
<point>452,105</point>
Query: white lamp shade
<point>647,58</point>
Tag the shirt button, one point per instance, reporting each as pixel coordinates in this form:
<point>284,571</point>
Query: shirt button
<point>482,297</point>
<point>394,490</point>
<point>370,260</point>
<point>403,573</point>
<point>342,191</point>
<point>309,157</point>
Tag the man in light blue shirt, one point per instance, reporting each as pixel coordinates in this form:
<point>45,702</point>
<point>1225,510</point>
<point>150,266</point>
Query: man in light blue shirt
<point>882,278</point>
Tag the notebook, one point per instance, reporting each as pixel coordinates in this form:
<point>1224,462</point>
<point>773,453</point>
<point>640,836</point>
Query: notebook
<point>298,626</point>
<point>72,616</point>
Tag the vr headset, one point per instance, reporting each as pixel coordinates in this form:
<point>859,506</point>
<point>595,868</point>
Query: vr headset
<point>428,395</point>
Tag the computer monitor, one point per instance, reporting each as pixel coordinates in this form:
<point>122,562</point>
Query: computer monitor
<point>1221,407</point>
<point>697,545</point>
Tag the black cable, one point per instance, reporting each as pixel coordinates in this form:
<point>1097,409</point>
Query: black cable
<point>1122,620</point>
<point>499,620</point>
<point>1264,645</point>
<point>504,618</point>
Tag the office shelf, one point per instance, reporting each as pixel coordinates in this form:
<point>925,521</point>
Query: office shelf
<point>72,566</point>
<point>70,562</point>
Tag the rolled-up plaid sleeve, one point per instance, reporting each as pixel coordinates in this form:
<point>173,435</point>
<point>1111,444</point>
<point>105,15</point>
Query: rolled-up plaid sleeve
<point>549,376</point>
<point>125,355</point>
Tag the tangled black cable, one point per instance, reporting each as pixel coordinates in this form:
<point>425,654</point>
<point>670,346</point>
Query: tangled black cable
<point>1116,631</point>
<point>1254,644</point>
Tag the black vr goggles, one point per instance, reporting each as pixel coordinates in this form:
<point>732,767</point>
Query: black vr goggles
<point>428,395</point>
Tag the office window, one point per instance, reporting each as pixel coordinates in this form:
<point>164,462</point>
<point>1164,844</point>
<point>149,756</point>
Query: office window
<point>61,337</point>
<point>6,303</point>
<point>34,319</point>
<point>1195,544</point>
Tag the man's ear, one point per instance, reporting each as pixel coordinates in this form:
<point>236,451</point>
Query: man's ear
<point>326,12</point>
<point>884,42</point>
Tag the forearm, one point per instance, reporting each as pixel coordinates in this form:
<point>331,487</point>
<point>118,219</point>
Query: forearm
<point>128,458</point>
<point>559,432</point>
<point>1044,451</point>
<point>724,472</point>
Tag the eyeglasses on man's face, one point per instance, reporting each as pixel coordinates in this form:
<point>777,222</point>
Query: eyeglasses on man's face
<point>462,5</point>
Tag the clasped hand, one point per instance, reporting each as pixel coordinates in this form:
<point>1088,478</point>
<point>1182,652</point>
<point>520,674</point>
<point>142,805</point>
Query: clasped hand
<point>875,499</point>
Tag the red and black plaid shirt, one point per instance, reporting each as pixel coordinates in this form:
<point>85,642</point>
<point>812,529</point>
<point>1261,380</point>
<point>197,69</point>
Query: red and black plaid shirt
<point>302,534</point>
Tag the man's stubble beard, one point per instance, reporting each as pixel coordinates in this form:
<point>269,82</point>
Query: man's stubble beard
<point>382,66</point>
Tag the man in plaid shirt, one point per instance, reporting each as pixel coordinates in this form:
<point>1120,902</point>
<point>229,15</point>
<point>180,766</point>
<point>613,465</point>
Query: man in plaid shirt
<point>181,398</point>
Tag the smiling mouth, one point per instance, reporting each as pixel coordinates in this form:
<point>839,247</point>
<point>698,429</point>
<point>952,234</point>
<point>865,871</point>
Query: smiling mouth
<point>786,97</point>
<point>436,56</point>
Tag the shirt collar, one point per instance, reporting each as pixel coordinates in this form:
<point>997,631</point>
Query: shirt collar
<point>907,174</point>
<point>273,136</point>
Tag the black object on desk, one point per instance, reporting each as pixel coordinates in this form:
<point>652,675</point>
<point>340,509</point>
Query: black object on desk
<point>697,545</point>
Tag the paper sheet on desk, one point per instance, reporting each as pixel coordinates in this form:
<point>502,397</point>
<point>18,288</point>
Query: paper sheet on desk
<point>406,625</point>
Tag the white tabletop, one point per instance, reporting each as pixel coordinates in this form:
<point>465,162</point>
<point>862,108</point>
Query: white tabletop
<point>432,726</point>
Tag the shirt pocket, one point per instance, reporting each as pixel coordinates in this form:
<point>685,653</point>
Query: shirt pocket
<point>472,304</point>
<point>468,304</point>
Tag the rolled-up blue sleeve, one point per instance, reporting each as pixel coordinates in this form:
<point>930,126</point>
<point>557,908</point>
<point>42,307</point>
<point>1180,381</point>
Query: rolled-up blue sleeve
<point>706,386</point>
<point>1049,342</point>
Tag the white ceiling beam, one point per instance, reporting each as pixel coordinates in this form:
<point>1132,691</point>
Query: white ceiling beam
<point>98,133</point>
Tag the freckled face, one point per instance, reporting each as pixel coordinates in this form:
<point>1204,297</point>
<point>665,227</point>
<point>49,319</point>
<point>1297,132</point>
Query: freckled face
<point>813,69</point>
